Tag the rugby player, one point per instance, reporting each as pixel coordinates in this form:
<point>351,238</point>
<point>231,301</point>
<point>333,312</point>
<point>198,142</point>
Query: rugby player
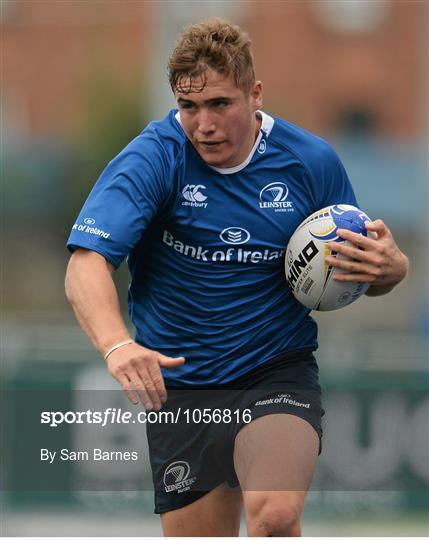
<point>202,205</point>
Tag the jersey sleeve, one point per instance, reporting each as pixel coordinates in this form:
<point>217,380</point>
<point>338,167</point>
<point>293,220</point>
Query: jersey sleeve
<point>332,184</point>
<point>123,202</point>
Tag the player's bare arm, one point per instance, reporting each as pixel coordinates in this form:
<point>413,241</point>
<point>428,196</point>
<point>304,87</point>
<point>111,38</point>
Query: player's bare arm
<point>377,260</point>
<point>92,293</point>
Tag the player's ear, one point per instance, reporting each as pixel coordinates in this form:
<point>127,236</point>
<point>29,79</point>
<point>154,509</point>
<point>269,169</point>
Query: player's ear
<point>256,95</point>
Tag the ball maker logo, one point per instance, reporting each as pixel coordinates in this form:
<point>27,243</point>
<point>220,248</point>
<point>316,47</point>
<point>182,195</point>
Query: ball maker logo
<point>344,297</point>
<point>234,235</point>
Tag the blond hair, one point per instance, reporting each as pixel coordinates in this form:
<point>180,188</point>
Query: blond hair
<point>213,44</point>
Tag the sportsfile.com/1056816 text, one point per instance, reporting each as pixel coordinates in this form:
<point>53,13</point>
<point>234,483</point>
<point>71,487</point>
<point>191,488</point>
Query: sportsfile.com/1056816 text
<point>111,416</point>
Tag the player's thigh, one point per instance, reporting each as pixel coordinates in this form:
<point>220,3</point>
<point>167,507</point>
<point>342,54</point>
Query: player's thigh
<point>276,452</point>
<point>216,513</point>
<point>275,458</point>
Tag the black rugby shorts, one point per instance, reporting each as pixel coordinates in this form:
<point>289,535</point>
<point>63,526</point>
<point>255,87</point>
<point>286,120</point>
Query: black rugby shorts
<point>191,448</point>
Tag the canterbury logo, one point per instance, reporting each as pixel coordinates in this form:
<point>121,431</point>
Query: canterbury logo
<point>192,193</point>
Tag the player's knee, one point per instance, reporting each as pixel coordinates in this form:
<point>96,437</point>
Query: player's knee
<point>275,518</point>
<point>279,522</point>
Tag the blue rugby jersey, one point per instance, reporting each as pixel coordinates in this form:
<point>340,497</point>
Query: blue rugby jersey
<point>205,246</point>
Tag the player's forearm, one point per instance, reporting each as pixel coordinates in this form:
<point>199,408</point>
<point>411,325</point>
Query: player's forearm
<point>93,296</point>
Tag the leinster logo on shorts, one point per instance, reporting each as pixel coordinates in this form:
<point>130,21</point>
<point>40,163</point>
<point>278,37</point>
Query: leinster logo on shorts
<point>176,477</point>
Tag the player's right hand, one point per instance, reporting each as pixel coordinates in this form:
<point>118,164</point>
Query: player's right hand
<point>137,370</point>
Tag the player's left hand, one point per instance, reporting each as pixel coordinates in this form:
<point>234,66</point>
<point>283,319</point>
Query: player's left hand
<point>375,259</point>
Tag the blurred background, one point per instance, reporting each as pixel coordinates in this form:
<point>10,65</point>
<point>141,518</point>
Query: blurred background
<point>79,80</point>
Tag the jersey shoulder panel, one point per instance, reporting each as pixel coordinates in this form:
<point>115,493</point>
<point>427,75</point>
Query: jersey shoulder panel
<point>161,141</point>
<point>132,190</point>
<point>326,174</point>
<point>309,148</point>
<point>167,133</point>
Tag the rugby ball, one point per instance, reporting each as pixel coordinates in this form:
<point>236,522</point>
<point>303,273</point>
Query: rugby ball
<point>309,276</point>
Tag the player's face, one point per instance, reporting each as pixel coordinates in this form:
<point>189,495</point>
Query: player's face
<point>220,120</point>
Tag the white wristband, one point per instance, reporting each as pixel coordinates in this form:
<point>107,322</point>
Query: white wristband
<point>117,346</point>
